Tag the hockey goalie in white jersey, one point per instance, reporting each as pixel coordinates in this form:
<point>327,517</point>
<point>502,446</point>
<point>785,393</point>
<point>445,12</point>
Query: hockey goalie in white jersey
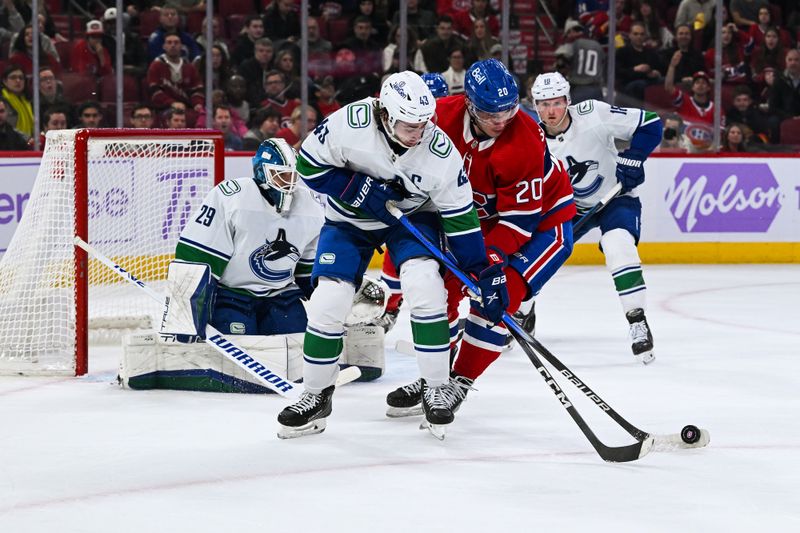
<point>583,136</point>
<point>367,153</point>
<point>242,264</point>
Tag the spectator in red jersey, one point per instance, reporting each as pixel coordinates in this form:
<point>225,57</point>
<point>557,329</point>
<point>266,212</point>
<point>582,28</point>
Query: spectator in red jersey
<point>770,53</point>
<point>757,31</point>
<point>171,77</point>
<point>89,56</point>
<point>463,21</point>
<point>696,108</point>
<point>292,133</point>
<point>275,92</point>
<point>734,66</point>
<point>22,53</point>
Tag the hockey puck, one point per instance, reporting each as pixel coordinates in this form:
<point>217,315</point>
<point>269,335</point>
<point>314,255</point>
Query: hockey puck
<point>690,434</point>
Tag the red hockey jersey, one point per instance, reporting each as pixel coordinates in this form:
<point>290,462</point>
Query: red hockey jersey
<point>517,187</point>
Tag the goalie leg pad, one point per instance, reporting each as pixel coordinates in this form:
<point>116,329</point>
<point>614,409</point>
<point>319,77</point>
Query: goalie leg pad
<point>364,348</point>
<point>189,298</point>
<point>159,361</point>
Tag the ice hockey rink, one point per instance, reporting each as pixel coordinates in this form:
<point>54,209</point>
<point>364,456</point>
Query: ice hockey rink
<point>82,455</point>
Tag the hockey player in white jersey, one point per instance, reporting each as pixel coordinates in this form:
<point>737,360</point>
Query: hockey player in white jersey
<point>367,153</point>
<point>583,136</point>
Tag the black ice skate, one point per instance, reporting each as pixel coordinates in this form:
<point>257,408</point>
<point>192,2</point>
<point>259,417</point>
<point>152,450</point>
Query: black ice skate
<point>642,344</point>
<point>307,416</point>
<point>525,319</point>
<point>405,401</point>
<point>440,403</point>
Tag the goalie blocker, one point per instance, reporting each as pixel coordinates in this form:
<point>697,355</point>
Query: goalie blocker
<point>166,361</point>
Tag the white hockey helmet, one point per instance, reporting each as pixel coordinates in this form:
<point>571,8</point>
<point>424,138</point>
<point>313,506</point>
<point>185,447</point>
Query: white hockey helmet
<point>406,97</point>
<point>550,85</point>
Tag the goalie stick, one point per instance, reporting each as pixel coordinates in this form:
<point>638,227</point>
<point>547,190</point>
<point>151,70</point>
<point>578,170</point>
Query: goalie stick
<point>222,344</point>
<point>610,195</point>
<point>533,349</point>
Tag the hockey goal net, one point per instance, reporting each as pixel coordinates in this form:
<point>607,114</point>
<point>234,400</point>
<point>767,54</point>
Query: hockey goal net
<point>126,192</point>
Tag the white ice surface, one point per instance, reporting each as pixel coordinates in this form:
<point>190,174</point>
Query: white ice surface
<point>82,455</point>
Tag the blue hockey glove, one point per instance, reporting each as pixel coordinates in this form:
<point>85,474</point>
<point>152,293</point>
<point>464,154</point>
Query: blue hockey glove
<point>370,195</point>
<point>630,169</point>
<point>492,283</point>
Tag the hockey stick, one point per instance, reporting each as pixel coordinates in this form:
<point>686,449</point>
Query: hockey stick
<point>618,454</point>
<point>219,342</point>
<point>615,190</point>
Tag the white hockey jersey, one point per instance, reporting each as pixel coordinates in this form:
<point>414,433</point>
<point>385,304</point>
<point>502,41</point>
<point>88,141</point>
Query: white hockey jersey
<point>350,138</point>
<point>248,245</point>
<point>587,147</point>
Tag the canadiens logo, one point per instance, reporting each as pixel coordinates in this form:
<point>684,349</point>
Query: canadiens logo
<point>275,261</point>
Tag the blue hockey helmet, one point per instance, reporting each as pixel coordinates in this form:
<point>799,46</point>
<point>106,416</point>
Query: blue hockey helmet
<point>436,84</point>
<point>274,171</point>
<point>492,93</point>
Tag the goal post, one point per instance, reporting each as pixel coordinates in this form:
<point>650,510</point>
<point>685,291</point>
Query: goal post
<point>128,193</point>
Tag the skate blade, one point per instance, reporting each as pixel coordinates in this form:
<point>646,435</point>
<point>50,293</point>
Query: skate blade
<point>312,428</point>
<point>645,357</point>
<point>401,412</point>
<point>437,430</point>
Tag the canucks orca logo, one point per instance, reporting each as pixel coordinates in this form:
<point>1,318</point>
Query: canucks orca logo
<point>275,261</point>
<point>578,170</point>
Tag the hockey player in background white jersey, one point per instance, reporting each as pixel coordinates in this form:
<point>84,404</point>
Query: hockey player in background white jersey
<point>583,136</point>
<point>367,153</point>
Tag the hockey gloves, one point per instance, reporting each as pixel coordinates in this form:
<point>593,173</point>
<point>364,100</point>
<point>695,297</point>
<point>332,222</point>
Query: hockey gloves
<point>370,195</point>
<point>492,283</point>
<point>630,169</point>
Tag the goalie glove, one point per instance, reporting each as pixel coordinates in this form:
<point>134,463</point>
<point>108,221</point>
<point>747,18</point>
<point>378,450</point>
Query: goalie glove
<point>191,289</point>
<point>630,169</point>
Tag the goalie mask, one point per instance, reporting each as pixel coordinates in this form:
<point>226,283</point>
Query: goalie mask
<point>274,172</point>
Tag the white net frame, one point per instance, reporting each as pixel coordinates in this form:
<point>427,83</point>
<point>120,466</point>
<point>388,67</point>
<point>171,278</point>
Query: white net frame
<point>126,192</point>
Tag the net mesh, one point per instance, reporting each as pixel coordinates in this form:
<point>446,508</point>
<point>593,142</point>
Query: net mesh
<point>141,192</point>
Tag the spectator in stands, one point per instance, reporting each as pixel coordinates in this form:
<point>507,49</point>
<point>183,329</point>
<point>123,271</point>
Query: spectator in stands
<point>316,44</point>
<point>55,118</point>
<point>51,93</point>
<point>689,59</point>
<point>11,21</point>
<point>90,115</point>
<point>175,119</point>
<point>480,41</point>
<point>254,70</point>
<point>22,52</point>
<point>745,12</point>
<point>793,24</point>
<point>19,112</point>
<point>267,122</point>
<point>142,117</point>
<point>436,50</point>
<point>172,78</point>
<point>10,138</point>
<point>185,7</point>
<point>284,63</point>
<point>292,132</point>
<point>275,96</point>
<point>392,50</point>
<point>696,108</point>
<point>236,97</point>
<point>673,141</point>
<point>368,51</point>
<point>695,13</point>
<point>585,62</point>
<point>745,112</point>
<point>757,31</point>
<point>169,24</point>
<point>658,35</point>
<point>454,75</point>
<point>785,97</point>
<point>325,94</point>
<point>134,56</point>
<point>200,38</point>
<point>89,56</point>
<point>769,54</point>
<point>422,20</point>
<point>735,69</point>
<point>380,26</point>
<point>526,103</point>
<point>637,66</point>
<point>220,67</point>
<point>222,122</point>
<point>281,21</point>
<point>733,139</point>
<point>463,21</point>
<point>244,46</point>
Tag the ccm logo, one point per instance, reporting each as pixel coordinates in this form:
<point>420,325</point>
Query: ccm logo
<point>498,281</point>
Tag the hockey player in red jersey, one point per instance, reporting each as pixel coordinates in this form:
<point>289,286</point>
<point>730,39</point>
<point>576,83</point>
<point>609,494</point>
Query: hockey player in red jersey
<point>524,201</point>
